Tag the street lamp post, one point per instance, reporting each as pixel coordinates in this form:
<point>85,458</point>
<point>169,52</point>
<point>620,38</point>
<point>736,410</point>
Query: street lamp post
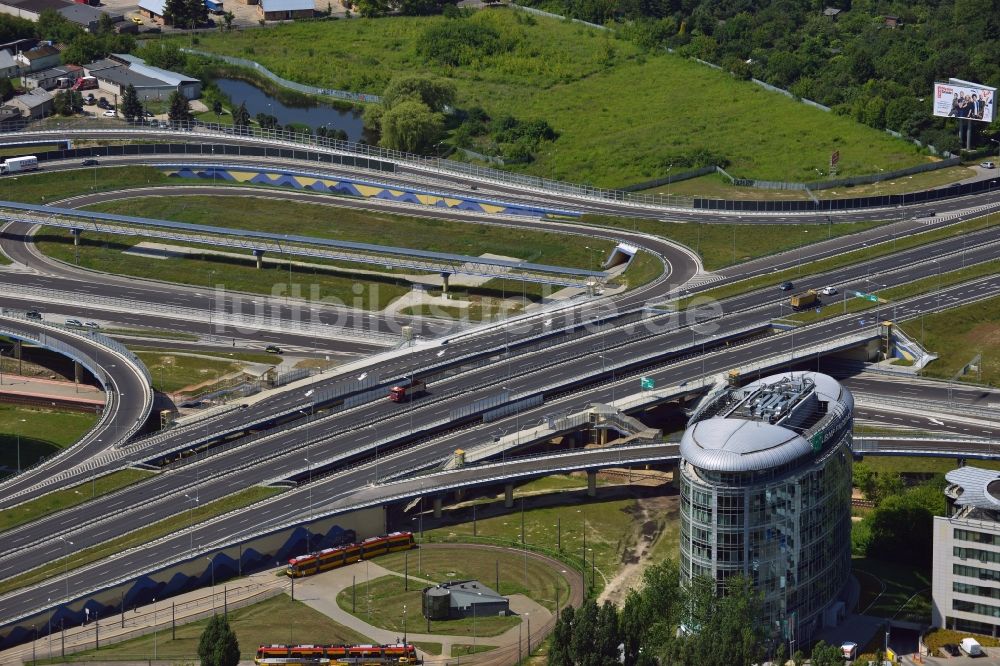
<point>309,463</point>
<point>404,624</point>
<point>212,562</point>
<point>192,501</point>
<point>66,544</point>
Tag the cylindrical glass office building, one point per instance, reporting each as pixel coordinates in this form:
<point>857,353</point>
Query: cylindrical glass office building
<point>766,493</point>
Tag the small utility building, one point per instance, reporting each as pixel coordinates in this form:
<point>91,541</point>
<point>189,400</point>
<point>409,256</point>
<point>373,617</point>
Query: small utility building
<point>283,10</point>
<point>462,598</point>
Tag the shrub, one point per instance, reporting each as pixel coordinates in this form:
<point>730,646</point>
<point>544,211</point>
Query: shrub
<point>460,42</point>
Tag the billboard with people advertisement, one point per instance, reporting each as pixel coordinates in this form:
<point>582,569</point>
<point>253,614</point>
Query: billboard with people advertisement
<point>964,100</point>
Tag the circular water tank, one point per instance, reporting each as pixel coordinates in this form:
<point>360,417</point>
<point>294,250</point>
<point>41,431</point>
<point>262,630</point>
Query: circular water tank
<point>437,603</point>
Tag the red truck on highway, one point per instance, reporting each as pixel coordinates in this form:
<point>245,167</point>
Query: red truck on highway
<point>407,391</point>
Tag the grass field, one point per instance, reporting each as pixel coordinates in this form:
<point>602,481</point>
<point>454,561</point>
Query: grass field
<point>47,187</point>
<point>440,564</point>
<point>149,333</point>
<point>582,81</point>
<point>957,335</point>
<point>179,521</point>
<point>106,253</point>
<point>172,371</point>
<point>38,433</point>
<point>64,499</point>
<point>275,620</point>
<point>919,465</point>
<point>380,603</point>
<point>610,529</point>
<point>721,245</point>
<point>343,224</point>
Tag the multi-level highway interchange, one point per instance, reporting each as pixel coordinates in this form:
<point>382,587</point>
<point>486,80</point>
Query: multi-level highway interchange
<point>345,447</point>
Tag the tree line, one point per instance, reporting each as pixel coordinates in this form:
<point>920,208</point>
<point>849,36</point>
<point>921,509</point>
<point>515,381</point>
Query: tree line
<point>666,623</point>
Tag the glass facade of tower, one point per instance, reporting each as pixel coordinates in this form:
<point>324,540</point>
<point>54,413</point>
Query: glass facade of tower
<point>787,527</point>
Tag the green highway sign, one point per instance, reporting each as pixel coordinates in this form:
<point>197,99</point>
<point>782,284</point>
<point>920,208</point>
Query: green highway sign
<point>868,297</point>
<point>646,383</point>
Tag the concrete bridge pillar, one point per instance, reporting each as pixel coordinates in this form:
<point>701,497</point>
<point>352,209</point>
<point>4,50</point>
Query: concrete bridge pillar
<point>675,476</point>
<point>437,506</point>
<point>259,255</point>
<point>508,496</point>
<point>602,436</point>
<point>591,483</point>
<point>76,233</point>
<point>77,372</point>
<point>444,282</point>
<point>459,494</point>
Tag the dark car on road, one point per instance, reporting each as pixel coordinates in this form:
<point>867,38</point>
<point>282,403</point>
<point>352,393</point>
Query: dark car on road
<point>272,349</point>
<point>951,649</point>
<point>89,162</point>
<point>786,286</point>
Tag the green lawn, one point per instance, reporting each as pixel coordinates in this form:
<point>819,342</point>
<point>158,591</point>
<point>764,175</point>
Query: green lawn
<point>249,357</point>
<point>610,530</point>
<point>919,465</point>
<point>47,187</point>
<point>172,371</point>
<point>622,116</point>
<point>441,564</point>
<point>39,432</point>
<point>69,497</point>
<point>714,243</point>
<point>149,333</point>
<point>272,621</point>
<point>344,224</point>
<point>380,603</point>
<point>957,335</point>
<point>105,252</point>
<point>180,520</point>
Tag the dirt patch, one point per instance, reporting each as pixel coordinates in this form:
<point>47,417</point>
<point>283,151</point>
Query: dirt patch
<point>651,515</point>
<point>986,334</point>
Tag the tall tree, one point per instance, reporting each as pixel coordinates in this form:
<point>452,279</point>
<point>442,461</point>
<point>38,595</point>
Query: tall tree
<point>6,90</point>
<point>562,639</point>
<point>584,629</point>
<point>131,106</point>
<point>606,638</point>
<point>218,645</point>
<point>436,94</point>
<point>179,109</point>
<point>105,26</point>
<point>411,127</point>
<point>241,117</point>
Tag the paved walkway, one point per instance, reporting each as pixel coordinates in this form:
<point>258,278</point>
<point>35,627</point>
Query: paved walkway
<point>320,592</point>
<point>37,388</point>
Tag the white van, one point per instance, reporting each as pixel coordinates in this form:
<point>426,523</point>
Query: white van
<point>971,647</point>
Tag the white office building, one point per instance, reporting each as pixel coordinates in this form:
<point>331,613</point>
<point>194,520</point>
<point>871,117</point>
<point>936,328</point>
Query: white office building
<point>966,574</point>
